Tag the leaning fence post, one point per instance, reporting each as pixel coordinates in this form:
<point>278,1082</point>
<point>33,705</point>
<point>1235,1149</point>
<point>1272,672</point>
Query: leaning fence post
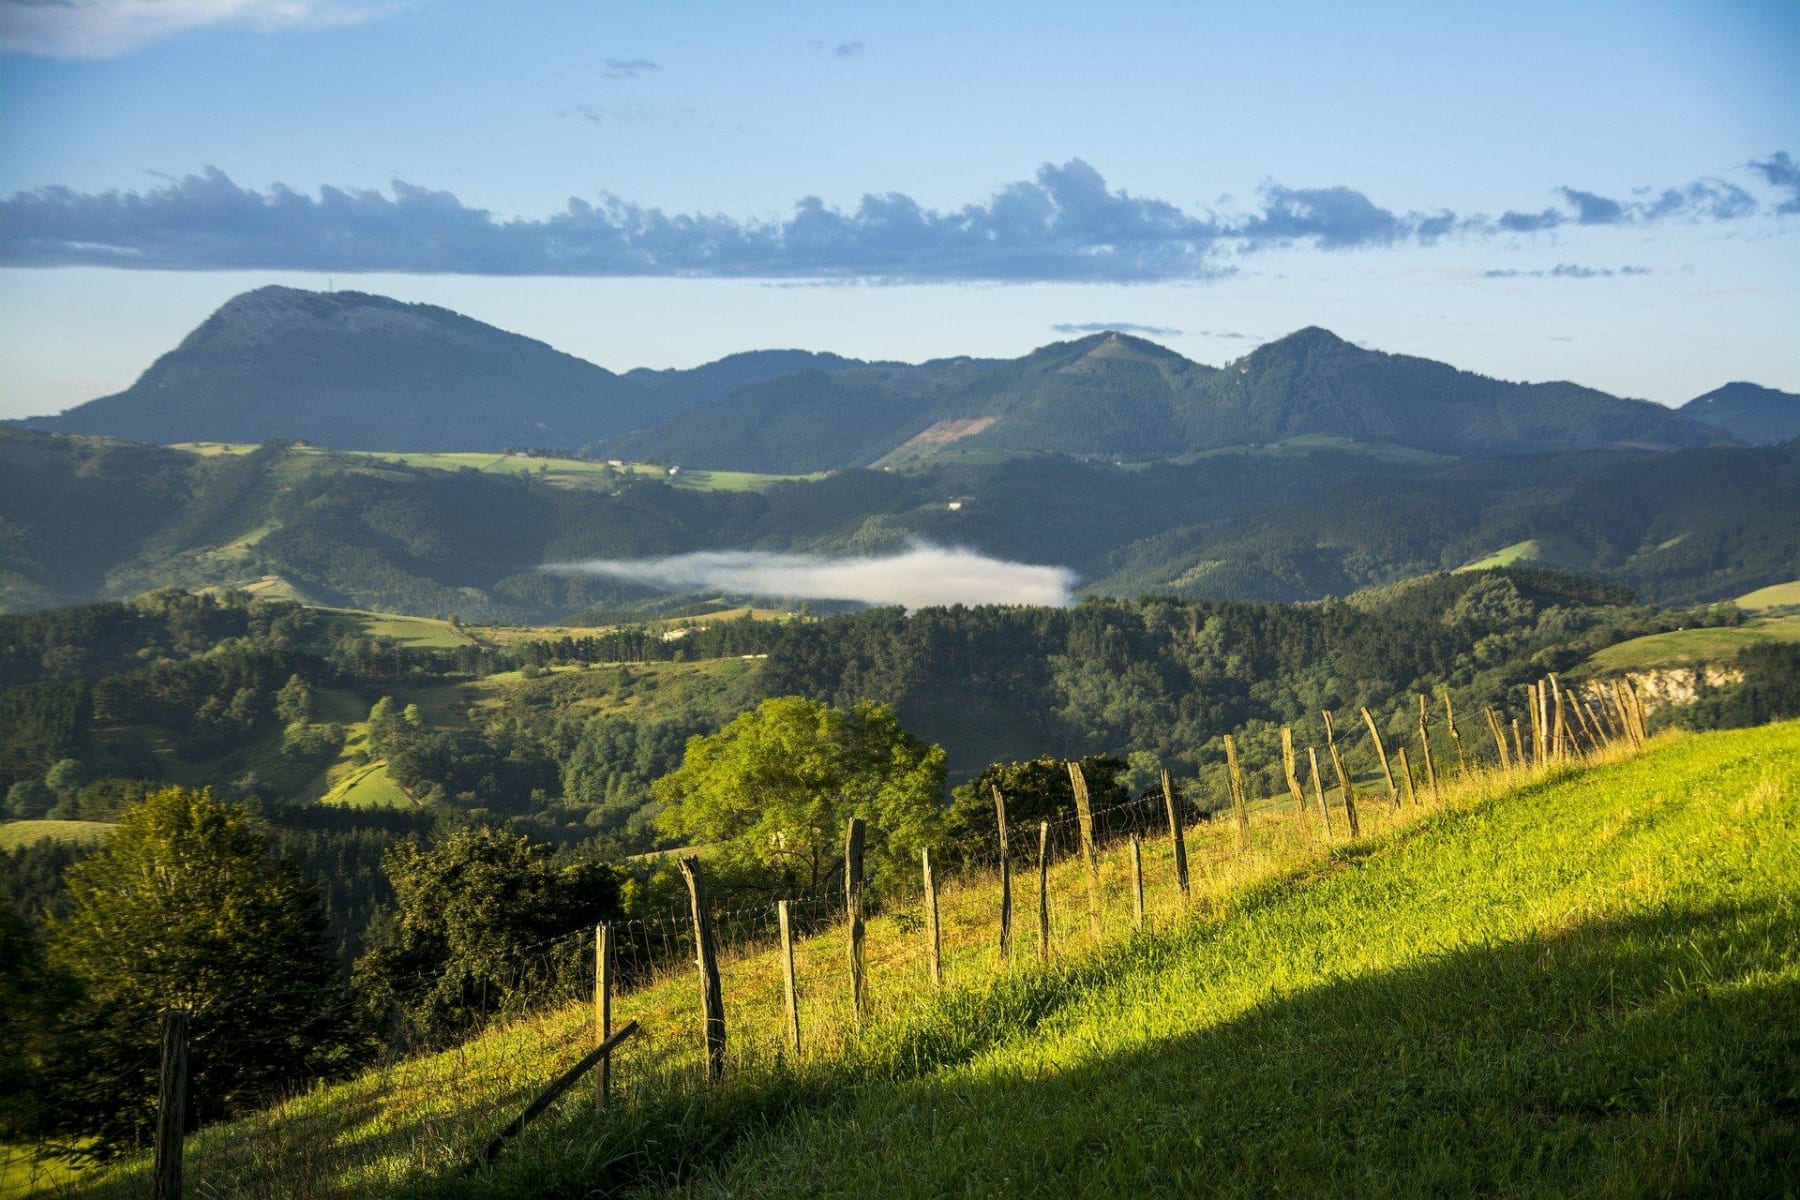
<point>1289,768</point>
<point>1431,779</point>
<point>1175,833</point>
<point>1238,804</point>
<point>171,1106</point>
<point>933,943</point>
<point>853,910</point>
<point>1084,816</point>
<point>1005,879</point>
<point>1406,777</point>
<point>792,993</point>
<point>1312,756</point>
<point>1462,763</point>
<point>1381,751</point>
<point>1043,891</point>
<point>1137,880</point>
<point>1344,784</point>
<point>1493,721</point>
<point>602,1009</point>
<point>706,960</point>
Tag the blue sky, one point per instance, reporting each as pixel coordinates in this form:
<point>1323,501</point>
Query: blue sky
<point>1599,192</point>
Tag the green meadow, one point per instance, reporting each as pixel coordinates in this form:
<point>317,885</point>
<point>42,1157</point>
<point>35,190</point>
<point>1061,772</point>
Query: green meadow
<point>1574,982</point>
<point>1683,647</point>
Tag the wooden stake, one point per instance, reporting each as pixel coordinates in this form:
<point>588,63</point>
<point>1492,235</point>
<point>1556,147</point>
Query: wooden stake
<point>603,990</point>
<point>1381,751</point>
<point>1176,837</point>
<point>171,1106</point>
<point>1349,790</point>
<point>706,960</point>
<point>1462,763</point>
<point>853,911</point>
<point>562,1083</point>
<point>1499,740</point>
<point>1560,737</point>
<point>1090,858</point>
<point>1043,891</point>
<point>1137,881</point>
<point>933,942</point>
<point>1431,779</point>
<point>1406,777</point>
<point>1005,879</point>
<point>1238,805</point>
<point>1319,790</point>
<point>792,992</point>
<point>1290,769</point>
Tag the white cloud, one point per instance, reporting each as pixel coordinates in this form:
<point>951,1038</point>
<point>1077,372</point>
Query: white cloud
<point>109,28</point>
<point>920,576</point>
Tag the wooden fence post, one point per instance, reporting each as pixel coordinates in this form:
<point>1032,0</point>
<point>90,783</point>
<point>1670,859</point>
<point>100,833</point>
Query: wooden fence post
<point>561,1084</point>
<point>706,961</point>
<point>792,998</point>
<point>1090,857</point>
<point>1431,779</point>
<point>1176,837</point>
<point>853,911</point>
<point>603,989</point>
<point>1005,880</point>
<point>1344,784</point>
<point>1043,891</point>
<point>1493,721</point>
<point>171,1106</point>
<point>933,943</point>
<point>1137,880</point>
<point>1239,806</point>
<point>1462,762</point>
<point>1537,727</point>
<point>1406,777</point>
<point>1312,756</point>
<point>1381,751</point>
<point>1289,768</point>
<point>1561,735</point>
<point>1518,744</point>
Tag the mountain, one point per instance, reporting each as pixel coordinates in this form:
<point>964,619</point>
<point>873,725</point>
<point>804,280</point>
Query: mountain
<point>1112,396</point>
<point>1757,415</point>
<point>359,371</point>
<point>716,380</point>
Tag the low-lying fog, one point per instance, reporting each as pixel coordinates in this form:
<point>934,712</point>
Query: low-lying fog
<point>917,577</point>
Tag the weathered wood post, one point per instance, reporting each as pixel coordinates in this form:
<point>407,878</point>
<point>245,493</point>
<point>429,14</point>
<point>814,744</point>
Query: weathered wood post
<point>1005,879</point>
<point>1561,736</point>
<point>1431,779</point>
<point>1493,721</point>
<point>1090,857</point>
<point>1043,891</point>
<point>1537,724</point>
<point>706,961</point>
<point>853,911</point>
<point>171,1106</point>
<point>792,997</point>
<point>1462,762</point>
<point>603,990</point>
<point>1578,703</point>
<point>1176,837</point>
<point>1290,769</point>
<point>1137,881</point>
<point>1343,776</point>
<point>1406,777</point>
<point>1318,783</point>
<point>1381,752</point>
<point>933,942</point>
<point>1239,807</point>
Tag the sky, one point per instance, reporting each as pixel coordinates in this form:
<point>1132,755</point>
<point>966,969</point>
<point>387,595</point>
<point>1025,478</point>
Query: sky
<point>1602,192</point>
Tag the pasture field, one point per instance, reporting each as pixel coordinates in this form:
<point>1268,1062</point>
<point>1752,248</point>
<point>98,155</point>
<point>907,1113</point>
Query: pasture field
<point>1577,981</point>
<point>1781,595</point>
<point>1683,647</point>
<point>565,472</point>
<point>14,834</point>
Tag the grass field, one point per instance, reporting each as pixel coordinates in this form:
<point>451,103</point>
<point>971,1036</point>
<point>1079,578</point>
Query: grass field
<point>566,472</point>
<point>14,834</point>
<point>1781,595</point>
<point>1688,646</point>
<point>1584,983</point>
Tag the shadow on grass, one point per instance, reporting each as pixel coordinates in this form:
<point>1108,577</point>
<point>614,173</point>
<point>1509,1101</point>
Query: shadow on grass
<point>1655,1055</point>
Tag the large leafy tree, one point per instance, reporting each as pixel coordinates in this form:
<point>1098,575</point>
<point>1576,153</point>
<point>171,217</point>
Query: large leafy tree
<point>468,935</point>
<point>770,793</point>
<point>188,907</point>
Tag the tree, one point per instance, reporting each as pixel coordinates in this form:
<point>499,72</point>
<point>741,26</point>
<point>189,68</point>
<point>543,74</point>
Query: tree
<point>1035,790</point>
<point>66,777</point>
<point>294,702</point>
<point>187,907</point>
<point>28,799</point>
<point>466,938</point>
<point>771,792</point>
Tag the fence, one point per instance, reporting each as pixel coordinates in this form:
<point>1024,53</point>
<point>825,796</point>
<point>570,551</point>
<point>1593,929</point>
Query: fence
<point>714,993</point>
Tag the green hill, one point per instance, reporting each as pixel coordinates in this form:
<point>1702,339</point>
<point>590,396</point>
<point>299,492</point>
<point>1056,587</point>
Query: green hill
<point>1580,984</point>
<point>1756,415</point>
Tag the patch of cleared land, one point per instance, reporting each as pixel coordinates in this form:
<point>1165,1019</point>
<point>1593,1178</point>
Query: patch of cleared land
<point>14,834</point>
<point>1685,647</point>
<point>1781,595</point>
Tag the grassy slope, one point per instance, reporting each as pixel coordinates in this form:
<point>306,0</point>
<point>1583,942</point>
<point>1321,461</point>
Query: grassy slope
<point>1583,986</point>
<point>14,834</point>
<point>1781,595</point>
<point>1587,988</point>
<point>1686,646</point>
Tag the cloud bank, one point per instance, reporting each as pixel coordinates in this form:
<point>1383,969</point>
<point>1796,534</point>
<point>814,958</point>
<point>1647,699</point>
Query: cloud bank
<point>1085,327</point>
<point>917,577</point>
<point>1566,271</point>
<point>1064,225</point>
<point>109,28</point>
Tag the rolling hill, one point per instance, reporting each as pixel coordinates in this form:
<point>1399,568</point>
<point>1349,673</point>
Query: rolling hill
<point>1756,415</point>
